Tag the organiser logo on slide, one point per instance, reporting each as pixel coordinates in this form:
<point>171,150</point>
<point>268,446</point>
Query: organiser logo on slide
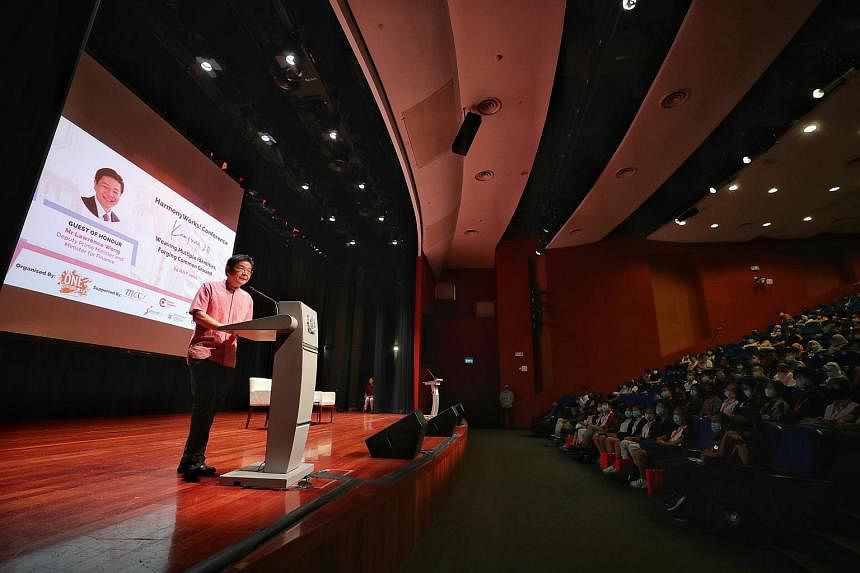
<point>73,283</point>
<point>135,294</point>
<point>165,303</point>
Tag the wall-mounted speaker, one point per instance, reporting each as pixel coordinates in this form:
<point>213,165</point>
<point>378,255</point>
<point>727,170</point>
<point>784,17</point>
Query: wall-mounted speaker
<point>468,130</point>
<point>402,439</point>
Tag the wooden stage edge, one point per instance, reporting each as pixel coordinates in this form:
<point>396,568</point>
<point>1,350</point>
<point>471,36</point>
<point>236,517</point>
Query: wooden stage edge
<point>102,494</point>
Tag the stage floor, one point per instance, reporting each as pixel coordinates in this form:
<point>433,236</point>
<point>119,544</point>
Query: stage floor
<point>103,494</point>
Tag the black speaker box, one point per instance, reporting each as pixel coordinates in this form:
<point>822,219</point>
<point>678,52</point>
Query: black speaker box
<point>402,439</point>
<point>443,424</point>
<point>468,130</point>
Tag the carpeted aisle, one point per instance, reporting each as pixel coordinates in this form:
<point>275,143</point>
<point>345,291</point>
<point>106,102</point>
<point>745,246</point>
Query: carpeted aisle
<point>521,505</point>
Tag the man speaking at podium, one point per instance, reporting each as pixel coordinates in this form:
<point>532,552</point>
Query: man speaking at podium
<point>212,357</point>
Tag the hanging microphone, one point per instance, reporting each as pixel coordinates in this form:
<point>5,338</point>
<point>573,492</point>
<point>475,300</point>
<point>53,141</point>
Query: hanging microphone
<point>267,297</point>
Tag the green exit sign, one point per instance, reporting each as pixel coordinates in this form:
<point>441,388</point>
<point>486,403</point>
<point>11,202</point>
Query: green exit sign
<point>468,360</point>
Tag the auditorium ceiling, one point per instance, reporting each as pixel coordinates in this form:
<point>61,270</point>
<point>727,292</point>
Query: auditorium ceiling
<point>596,120</point>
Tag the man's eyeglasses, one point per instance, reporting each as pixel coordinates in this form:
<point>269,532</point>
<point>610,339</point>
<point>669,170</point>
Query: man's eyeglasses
<point>247,270</point>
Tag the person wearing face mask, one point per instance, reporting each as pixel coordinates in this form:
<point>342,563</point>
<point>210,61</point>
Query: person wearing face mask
<point>775,408</point>
<point>832,370</point>
<point>666,446</point>
<point>694,401</point>
<point>633,422</point>
<point>784,375</point>
<point>613,426</point>
<point>731,402</point>
<point>808,401</point>
<point>605,418</point>
<point>843,410</point>
<point>751,397</point>
<point>625,448</point>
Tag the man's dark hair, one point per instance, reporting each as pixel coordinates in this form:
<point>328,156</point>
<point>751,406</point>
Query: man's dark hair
<point>108,172</point>
<point>235,260</point>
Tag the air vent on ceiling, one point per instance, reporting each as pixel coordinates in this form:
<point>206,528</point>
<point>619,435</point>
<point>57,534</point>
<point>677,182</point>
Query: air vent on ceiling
<point>626,172</point>
<point>489,106</point>
<point>484,175</point>
<point>674,99</point>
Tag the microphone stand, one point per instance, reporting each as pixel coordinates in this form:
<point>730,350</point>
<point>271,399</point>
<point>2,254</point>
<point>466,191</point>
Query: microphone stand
<point>267,297</point>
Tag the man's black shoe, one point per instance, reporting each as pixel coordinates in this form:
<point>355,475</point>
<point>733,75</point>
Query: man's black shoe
<point>199,469</point>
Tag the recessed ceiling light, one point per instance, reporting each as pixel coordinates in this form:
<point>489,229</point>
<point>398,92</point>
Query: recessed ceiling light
<point>305,186</point>
<point>291,59</point>
<point>807,219</point>
<point>714,225</point>
<point>351,243</point>
<point>734,187</point>
<point>394,242</point>
<point>837,188</point>
<point>381,218</point>
<point>810,128</point>
<point>746,159</point>
<point>682,223</point>
<point>267,138</point>
<point>818,93</point>
<point>712,190</point>
<point>361,186</point>
<point>332,219</point>
<point>628,4</point>
<point>207,66</point>
<point>772,190</point>
<point>332,135</point>
<point>768,224</point>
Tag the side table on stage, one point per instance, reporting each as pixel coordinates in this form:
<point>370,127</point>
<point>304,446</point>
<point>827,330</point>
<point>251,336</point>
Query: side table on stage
<point>434,393</point>
<point>294,332</point>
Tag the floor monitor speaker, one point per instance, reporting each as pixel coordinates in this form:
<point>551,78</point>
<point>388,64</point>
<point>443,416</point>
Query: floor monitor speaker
<point>444,423</point>
<point>402,439</point>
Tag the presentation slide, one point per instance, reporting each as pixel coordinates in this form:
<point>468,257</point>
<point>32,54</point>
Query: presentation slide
<point>102,231</point>
<point>127,220</point>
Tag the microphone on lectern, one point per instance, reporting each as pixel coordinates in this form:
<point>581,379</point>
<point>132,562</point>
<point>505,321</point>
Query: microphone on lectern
<point>267,297</point>
<point>434,376</point>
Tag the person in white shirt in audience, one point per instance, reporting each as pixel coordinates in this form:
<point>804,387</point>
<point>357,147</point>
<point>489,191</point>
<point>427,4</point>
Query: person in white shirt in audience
<point>731,402</point>
<point>784,375</point>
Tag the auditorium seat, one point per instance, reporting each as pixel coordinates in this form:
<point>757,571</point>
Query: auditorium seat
<point>260,395</point>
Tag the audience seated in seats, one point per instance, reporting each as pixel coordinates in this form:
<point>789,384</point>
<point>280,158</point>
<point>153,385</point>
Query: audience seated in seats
<point>731,402</point>
<point>808,401</point>
<point>605,441</point>
<point>843,409</point>
<point>711,402</point>
<point>775,407</point>
<point>837,344</point>
<point>784,375</point>
<point>666,446</point>
<point>832,370</point>
<point>655,424</point>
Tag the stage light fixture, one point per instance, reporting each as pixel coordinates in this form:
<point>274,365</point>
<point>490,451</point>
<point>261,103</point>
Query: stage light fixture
<point>628,4</point>
<point>807,219</point>
<point>712,190</point>
<point>332,219</point>
<point>266,137</point>
<point>291,59</point>
<point>361,186</point>
<point>734,187</point>
<point>832,189</point>
<point>206,65</point>
<point>772,190</point>
<point>381,218</point>
<point>538,253</point>
<point>818,93</point>
<point>768,224</point>
<point>351,243</point>
<point>394,242</point>
<point>682,218</point>
<point>714,225</point>
<point>809,128</point>
<point>746,159</point>
<point>305,186</point>
<point>332,135</point>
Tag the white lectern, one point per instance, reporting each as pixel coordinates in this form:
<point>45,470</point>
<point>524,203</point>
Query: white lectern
<point>434,393</point>
<point>294,373</point>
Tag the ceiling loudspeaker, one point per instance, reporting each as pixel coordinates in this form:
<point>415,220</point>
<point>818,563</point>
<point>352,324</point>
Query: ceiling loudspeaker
<point>402,439</point>
<point>468,130</point>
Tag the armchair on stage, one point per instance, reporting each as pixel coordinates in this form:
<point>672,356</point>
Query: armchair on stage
<point>294,332</point>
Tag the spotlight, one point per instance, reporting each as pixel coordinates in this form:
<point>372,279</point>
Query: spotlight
<point>291,59</point>
<point>267,138</point>
<point>734,187</point>
<point>305,186</point>
<point>712,190</point>
<point>538,253</point>
<point>206,65</point>
<point>350,243</point>
<point>332,219</point>
<point>832,189</point>
<point>768,224</point>
<point>361,186</point>
<point>682,218</point>
<point>394,242</point>
<point>807,219</point>
<point>746,159</point>
<point>714,225</point>
<point>810,128</point>
<point>772,190</point>
<point>818,93</point>
<point>381,218</point>
<point>332,135</point>
<point>628,4</point>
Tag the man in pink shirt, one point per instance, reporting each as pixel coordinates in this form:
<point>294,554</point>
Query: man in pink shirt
<point>212,357</point>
